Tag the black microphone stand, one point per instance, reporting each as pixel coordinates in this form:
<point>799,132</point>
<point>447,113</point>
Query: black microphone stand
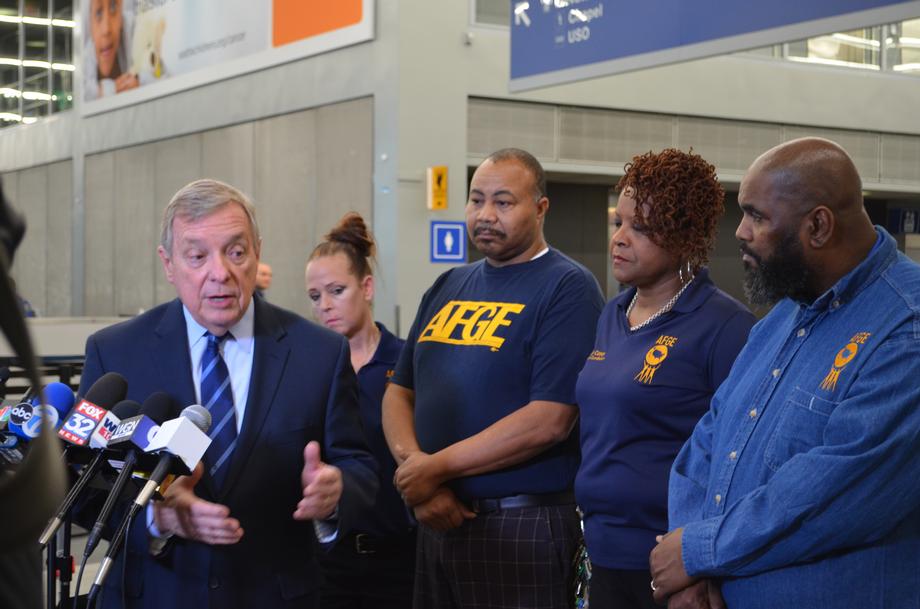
<point>59,565</point>
<point>50,567</point>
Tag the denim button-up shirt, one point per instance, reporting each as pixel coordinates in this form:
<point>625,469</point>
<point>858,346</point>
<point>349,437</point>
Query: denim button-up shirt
<point>801,485</point>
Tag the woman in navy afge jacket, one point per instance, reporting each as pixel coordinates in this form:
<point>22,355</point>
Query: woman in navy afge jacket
<point>663,346</point>
<point>375,565</point>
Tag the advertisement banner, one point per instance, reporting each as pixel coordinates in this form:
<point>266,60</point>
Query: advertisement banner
<point>134,50</point>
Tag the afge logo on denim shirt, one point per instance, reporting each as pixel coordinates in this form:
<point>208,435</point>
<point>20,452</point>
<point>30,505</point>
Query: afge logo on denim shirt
<point>654,358</point>
<point>844,357</point>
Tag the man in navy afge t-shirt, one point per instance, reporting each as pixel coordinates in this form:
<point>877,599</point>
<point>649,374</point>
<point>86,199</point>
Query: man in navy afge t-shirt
<point>481,408</point>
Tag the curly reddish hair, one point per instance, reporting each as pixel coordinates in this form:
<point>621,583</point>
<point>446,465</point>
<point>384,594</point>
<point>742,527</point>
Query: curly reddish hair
<point>684,201</point>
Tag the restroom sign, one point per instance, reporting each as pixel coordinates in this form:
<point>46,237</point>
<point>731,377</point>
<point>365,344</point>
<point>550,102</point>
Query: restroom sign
<point>448,241</point>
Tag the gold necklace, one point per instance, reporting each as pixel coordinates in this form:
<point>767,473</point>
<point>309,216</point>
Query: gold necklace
<point>664,309</point>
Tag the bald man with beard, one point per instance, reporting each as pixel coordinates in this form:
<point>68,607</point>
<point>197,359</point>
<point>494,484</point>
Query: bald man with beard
<point>799,488</point>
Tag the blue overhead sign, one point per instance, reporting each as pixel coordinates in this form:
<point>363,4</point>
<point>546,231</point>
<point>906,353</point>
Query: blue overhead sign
<point>448,241</point>
<point>559,41</point>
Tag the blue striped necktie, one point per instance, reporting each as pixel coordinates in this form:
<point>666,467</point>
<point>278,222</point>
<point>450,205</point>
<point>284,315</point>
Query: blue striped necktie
<point>217,397</point>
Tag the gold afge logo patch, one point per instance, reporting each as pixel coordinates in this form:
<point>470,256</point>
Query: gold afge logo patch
<point>655,357</point>
<point>844,357</point>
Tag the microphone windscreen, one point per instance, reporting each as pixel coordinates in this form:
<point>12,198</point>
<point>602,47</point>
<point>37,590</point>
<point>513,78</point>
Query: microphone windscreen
<point>53,409</point>
<point>57,395</point>
<point>126,408</point>
<point>198,415</point>
<point>110,389</point>
<point>159,406</point>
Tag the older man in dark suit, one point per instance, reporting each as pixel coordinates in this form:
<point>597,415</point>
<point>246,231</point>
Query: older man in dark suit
<point>287,446</point>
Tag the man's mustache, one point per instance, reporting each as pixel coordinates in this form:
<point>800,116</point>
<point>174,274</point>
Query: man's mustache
<point>487,230</point>
<point>746,250</point>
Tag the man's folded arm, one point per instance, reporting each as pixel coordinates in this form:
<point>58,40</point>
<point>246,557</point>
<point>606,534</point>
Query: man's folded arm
<point>852,490</point>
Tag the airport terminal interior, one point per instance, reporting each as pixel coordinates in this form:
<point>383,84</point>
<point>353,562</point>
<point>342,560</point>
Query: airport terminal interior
<point>356,128</point>
<point>357,111</point>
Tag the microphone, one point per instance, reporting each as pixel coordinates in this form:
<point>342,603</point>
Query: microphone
<point>140,430</point>
<point>93,411</point>
<point>155,409</point>
<point>183,441</point>
<point>25,419</point>
<point>102,435</point>
<point>19,415</point>
<point>181,444</point>
<point>5,415</point>
<point>21,412</point>
<point>108,390</point>
<point>105,392</point>
<point>54,401</point>
<point>122,409</point>
<point>80,423</point>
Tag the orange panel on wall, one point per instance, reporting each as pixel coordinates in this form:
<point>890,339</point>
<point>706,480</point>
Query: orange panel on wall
<point>295,20</point>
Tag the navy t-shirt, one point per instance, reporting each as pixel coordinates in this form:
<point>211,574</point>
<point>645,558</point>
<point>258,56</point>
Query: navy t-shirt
<point>487,341</point>
<point>389,515</point>
<point>640,395</point>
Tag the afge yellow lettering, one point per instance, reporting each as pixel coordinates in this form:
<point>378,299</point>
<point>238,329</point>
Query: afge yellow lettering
<point>471,323</point>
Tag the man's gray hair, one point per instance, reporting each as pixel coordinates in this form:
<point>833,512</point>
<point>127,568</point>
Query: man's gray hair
<point>202,198</point>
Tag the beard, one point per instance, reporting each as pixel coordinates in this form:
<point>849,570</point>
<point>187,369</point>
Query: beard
<point>785,274</point>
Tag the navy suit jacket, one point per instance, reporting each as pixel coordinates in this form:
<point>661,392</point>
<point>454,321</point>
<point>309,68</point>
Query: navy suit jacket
<point>302,388</point>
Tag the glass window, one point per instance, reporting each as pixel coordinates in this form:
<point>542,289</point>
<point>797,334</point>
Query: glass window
<point>853,49</point>
<point>36,59</point>
<point>493,12</point>
<point>61,56</point>
<point>35,93</point>
<point>903,45</point>
<point>36,41</point>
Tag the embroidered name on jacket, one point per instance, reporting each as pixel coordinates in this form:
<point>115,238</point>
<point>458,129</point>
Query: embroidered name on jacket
<point>654,357</point>
<point>844,357</point>
<point>471,323</point>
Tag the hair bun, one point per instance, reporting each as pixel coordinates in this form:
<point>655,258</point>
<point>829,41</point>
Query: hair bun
<point>352,230</point>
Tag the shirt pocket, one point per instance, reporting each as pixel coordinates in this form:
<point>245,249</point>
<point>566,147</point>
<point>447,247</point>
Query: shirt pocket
<point>800,427</point>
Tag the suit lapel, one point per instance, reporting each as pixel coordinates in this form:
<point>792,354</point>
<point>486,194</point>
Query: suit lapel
<point>170,356</point>
<point>269,359</point>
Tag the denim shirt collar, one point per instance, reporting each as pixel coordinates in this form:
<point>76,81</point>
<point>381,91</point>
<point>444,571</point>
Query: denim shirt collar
<point>880,257</point>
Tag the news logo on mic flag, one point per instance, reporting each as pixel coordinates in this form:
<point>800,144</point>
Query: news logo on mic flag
<point>33,427</point>
<point>103,433</point>
<point>81,422</point>
<point>140,430</point>
<point>21,413</point>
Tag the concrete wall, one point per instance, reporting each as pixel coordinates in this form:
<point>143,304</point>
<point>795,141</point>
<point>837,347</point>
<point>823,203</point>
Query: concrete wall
<point>303,171</point>
<point>43,264</point>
